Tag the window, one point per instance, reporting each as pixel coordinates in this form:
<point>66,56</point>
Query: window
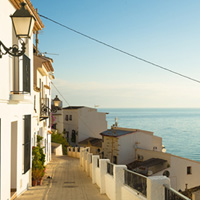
<point>70,117</point>
<point>66,117</point>
<point>189,170</point>
<point>26,74</point>
<point>166,173</point>
<point>27,142</point>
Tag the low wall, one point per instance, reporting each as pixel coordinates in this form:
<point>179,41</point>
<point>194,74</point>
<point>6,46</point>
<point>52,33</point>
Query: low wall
<point>110,186</point>
<point>56,149</point>
<point>128,193</point>
<point>74,151</point>
<point>113,185</point>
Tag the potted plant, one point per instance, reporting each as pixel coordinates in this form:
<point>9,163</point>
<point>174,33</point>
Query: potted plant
<point>36,175</point>
<point>38,168</point>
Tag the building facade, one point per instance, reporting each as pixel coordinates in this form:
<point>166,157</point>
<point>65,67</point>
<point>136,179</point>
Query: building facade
<point>79,123</point>
<point>120,144</point>
<point>18,120</point>
<point>43,75</point>
<point>182,172</point>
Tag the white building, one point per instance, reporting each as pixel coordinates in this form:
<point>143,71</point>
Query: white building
<point>43,74</point>
<point>182,172</point>
<point>79,123</point>
<point>120,144</point>
<point>16,106</point>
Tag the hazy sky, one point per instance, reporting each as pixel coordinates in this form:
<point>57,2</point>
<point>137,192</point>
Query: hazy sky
<point>87,73</point>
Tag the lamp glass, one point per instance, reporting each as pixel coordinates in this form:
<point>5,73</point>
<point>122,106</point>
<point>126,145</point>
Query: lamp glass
<point>23,26</point>
<point>56,103</point>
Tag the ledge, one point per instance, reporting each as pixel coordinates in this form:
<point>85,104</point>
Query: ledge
<point>20,96</point>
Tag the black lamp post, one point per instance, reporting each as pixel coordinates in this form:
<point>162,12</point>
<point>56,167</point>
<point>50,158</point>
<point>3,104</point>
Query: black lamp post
<point>23,23</point>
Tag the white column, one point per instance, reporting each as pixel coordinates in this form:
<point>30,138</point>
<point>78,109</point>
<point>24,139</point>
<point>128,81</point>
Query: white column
<point>118,173</point>
<point>89,160</point>
<point>85,160</point>
<point>155,188</point>
<point>103,171</point>
<point>94,166</point>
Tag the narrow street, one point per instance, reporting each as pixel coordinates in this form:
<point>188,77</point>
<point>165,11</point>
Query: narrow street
<point>69,182</point>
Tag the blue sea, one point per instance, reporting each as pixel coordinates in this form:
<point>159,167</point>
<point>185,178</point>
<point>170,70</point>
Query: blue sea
<point>179,128</point>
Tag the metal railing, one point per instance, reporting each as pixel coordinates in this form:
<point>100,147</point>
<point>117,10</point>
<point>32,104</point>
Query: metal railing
<point>45,110</point>
<point>136,181</point>
<point>110,167</point>
<point>171,194</point>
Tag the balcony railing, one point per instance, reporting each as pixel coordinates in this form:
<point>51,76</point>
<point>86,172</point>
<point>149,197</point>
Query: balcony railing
<point>170,194</point>
<point>110,167</point>
<point>44,110</point>
<point>136,181</point>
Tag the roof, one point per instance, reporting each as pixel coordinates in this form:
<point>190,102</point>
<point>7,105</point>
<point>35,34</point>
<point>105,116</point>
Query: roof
<point>116,132</point>
<point>92,141</point>
<point>73,107</point>
<point>152,162</point>
<point>42,60</point>
<point>143,166</point>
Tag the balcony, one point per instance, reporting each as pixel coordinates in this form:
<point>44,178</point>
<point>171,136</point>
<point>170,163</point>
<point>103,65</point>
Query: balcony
<point>44,109</point>
<point>21,81</point>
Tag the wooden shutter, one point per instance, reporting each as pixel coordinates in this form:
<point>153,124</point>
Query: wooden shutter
<point>27,142</point>
<point>26,74</point>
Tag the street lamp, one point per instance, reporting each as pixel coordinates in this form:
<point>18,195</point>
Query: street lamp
<point>56,101</point>
<point>56,104</point>
<point>23,23</point>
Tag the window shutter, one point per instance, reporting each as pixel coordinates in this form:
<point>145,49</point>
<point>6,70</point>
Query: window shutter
<point>26,74</point>
<point>27,142</point>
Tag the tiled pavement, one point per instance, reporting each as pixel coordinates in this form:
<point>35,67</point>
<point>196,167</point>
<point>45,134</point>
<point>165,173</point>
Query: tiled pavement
<point>69,182</point>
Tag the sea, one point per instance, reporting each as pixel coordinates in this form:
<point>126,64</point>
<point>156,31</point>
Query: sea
<point>179,128</point>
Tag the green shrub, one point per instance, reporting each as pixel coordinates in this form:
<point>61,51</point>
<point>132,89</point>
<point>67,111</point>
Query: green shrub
<point>59,138</point>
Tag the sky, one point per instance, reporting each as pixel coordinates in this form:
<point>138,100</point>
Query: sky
<point>88,73</point>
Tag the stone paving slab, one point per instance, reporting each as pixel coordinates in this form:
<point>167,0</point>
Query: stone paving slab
<point>69,182</point>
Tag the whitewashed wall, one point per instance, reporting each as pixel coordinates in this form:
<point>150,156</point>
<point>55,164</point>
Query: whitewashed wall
<point>12,110</point>
<point>128,144</point>
<point>81,122</point>
<point>113,186</point>
<point>177,169</point>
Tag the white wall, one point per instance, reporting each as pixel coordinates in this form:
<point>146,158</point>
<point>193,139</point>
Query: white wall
<point>128,144</point>
<point>81,123</point>
<point>178,173</point>
<point>114,187</point>
<point>12,111</point>
<point>88,129</point>
<point>177,169</point>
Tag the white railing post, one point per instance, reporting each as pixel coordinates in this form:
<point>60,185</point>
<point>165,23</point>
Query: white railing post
<point>85,160</point>
<point>155,189</point>
<point>118,173</point>
<point>103,171</point>
<point>94,166</point>
<point>89,160</point>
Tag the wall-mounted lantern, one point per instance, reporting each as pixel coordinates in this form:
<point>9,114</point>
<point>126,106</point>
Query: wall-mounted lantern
<point>23,23</point>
